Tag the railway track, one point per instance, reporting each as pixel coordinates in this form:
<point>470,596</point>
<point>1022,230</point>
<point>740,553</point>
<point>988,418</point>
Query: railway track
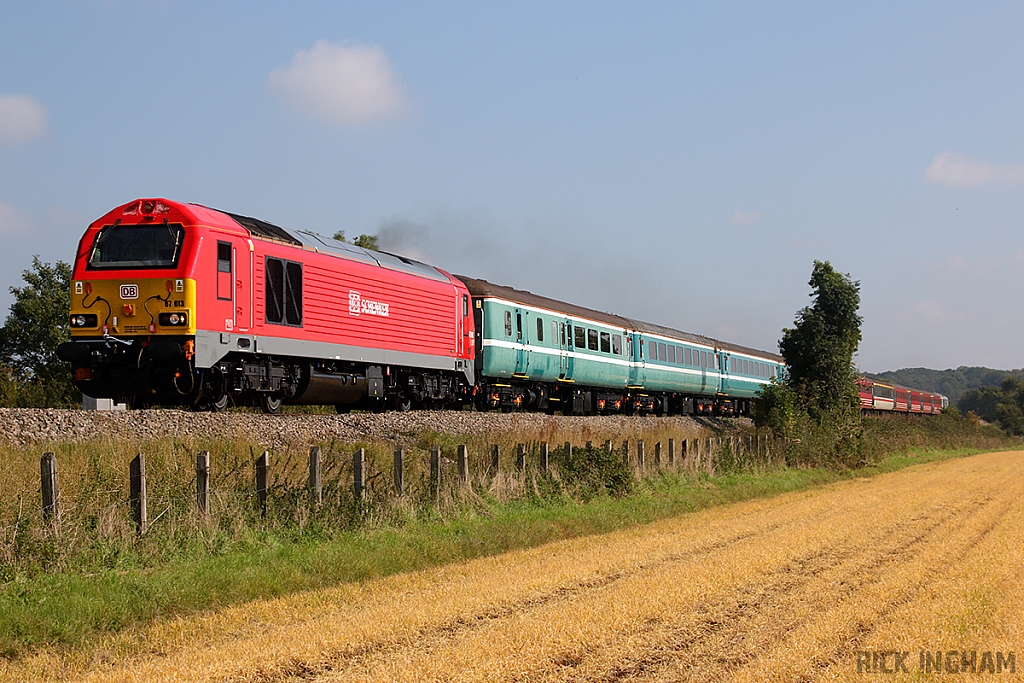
<point>26,426</point>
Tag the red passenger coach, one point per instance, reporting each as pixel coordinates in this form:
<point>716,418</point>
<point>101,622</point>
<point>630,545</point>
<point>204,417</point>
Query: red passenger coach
<point>181,304</point>
<point>878,397</point>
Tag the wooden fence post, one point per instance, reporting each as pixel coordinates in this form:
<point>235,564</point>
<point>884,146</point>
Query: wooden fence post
<point>567,452</point>
<point>137,492</point>
<point>495,460</point>
<point>671,452</point>
<point>316,476</point>
<point>657,454</point>
<point>203,482</point>
<point>51,494</point>
<point>435,470</point>
<point>544,457</point>
<point>262,479</point>
<point>399,470</point>
<point>359,474</point>
<point>608,446</point>
<point>521,457</point>
<point>625,453</point>
<point>640,455</point>
<point>463,465</point>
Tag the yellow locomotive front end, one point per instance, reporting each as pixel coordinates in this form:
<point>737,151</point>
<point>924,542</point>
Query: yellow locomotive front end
<point>133,339</point>
<point>133,307</point>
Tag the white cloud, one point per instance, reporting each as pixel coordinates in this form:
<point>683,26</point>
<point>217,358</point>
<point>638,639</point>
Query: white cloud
<point>348,83</point>
<point>741,217</point>
<point>22,118</point>
<point>13,220</point>
<point>931,311</point>
<point>959,170</point>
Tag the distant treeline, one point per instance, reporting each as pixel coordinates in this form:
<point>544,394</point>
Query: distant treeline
<point>951,383</point>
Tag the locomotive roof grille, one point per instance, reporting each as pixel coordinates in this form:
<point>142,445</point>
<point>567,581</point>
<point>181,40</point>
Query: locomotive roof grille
<point>264,229</point>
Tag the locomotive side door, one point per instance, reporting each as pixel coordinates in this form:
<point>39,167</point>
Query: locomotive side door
<point>243,253</point>
<point>234,283</point>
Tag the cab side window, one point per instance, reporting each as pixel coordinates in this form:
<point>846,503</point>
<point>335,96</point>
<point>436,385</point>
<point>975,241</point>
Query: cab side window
<point>224,270</point>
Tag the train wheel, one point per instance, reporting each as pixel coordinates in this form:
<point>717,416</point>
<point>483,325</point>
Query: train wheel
<point>403,404</point>
<point>269,403</point>
<point>220,405</point>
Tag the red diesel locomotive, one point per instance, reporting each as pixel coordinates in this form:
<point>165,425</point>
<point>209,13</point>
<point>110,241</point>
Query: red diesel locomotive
<point>181,304</point>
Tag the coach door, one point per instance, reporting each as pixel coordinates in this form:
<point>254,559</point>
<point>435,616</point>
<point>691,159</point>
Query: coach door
<point>564,357</point>
<point>522,352</point>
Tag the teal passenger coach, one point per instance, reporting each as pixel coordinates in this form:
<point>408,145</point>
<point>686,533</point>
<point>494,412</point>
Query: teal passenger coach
<point>539,353</point>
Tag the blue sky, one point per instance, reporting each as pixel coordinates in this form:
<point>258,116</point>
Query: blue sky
<point>680,163</point>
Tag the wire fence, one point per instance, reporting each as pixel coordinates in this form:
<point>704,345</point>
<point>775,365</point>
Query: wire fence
<point>214,496</point>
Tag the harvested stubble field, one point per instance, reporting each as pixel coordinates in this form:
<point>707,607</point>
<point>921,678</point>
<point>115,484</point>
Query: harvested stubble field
<point>789,588</point>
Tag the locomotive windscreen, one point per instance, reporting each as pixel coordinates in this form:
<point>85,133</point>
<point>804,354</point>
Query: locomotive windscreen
<point>137,246</point>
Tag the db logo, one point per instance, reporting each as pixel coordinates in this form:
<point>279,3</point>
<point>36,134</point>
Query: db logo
<point>129,291</point>
<point>353,302</point>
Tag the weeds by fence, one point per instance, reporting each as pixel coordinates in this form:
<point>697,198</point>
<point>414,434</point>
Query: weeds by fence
<point>192,498</point>
<point>232,497</point>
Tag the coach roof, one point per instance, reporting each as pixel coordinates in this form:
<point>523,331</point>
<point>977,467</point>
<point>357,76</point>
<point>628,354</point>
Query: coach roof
<point>487,289</point>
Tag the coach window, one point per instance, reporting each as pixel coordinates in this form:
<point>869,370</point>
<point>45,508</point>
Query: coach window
<point>224,270</point>
<point>465,306</point>
<point>606,342</point>
<point>592,339</point>
<point>617,344</point>
<point>554,332</point>
<point>580,334</point>
<point>519,327</point>
<point>540,329</point>
<point>704,360</point>
<point>662,352</point>
<point>508,323</point>
<point>561,329</point>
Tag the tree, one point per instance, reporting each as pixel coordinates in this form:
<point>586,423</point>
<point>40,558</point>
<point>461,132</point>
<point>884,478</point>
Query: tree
<point>1010,409</point>
<point>36,325</point>
<point>819,348</point>
<point>776,408</point>
<point>982,402</point>
<point>365,241</point>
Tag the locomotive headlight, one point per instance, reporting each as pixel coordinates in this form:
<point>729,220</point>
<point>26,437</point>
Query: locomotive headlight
<point>86,320</point>
<point>174,319</point>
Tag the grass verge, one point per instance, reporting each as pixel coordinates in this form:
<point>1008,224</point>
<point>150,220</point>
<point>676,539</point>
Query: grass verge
<point>65,609</point>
